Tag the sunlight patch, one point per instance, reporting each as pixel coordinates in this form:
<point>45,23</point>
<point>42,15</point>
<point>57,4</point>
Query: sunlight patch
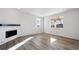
<point>20,44</point>
<point>52,40</point>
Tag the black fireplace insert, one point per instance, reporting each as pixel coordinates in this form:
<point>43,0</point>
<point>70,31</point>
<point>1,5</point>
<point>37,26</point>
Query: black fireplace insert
<point>11,33</point>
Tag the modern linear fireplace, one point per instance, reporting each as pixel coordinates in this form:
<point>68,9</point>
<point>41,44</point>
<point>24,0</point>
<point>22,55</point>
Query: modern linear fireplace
<point>11,33</point>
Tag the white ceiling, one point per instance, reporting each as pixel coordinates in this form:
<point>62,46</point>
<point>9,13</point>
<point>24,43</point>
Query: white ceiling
<point>43,11</point>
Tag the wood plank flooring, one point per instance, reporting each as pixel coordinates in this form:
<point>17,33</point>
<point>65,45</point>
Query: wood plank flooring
<point>50,42</point>
<point>13,42</point>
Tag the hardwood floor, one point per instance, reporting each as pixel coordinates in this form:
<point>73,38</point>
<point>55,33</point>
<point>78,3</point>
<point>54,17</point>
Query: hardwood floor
<point>43,41</point>
<point>50,42</point>
<point>13,42</point>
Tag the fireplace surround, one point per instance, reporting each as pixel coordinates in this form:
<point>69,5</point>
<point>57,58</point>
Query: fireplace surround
<point>9,32</point>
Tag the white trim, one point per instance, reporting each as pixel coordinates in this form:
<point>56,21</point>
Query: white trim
<point>20,44</point>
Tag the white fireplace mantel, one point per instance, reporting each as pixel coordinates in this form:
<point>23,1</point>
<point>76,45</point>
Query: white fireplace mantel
<point>3,30</point>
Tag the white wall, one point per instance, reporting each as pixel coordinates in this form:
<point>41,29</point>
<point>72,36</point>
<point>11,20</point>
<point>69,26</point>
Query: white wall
<point>8,16</point>
<point>27,21</point>
<point>14,16</point>
<point>71,24</point>
<point>28,24</point>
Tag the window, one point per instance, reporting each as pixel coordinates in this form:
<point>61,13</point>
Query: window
<point>38,22</point>
<point>57,22</point>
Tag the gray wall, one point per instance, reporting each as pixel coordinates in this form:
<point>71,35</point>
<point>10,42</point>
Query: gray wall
<point>71,24</point>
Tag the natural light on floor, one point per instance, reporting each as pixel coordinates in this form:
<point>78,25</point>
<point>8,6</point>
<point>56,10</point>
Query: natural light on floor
<point>52,40</point>
<point>20,44</point>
